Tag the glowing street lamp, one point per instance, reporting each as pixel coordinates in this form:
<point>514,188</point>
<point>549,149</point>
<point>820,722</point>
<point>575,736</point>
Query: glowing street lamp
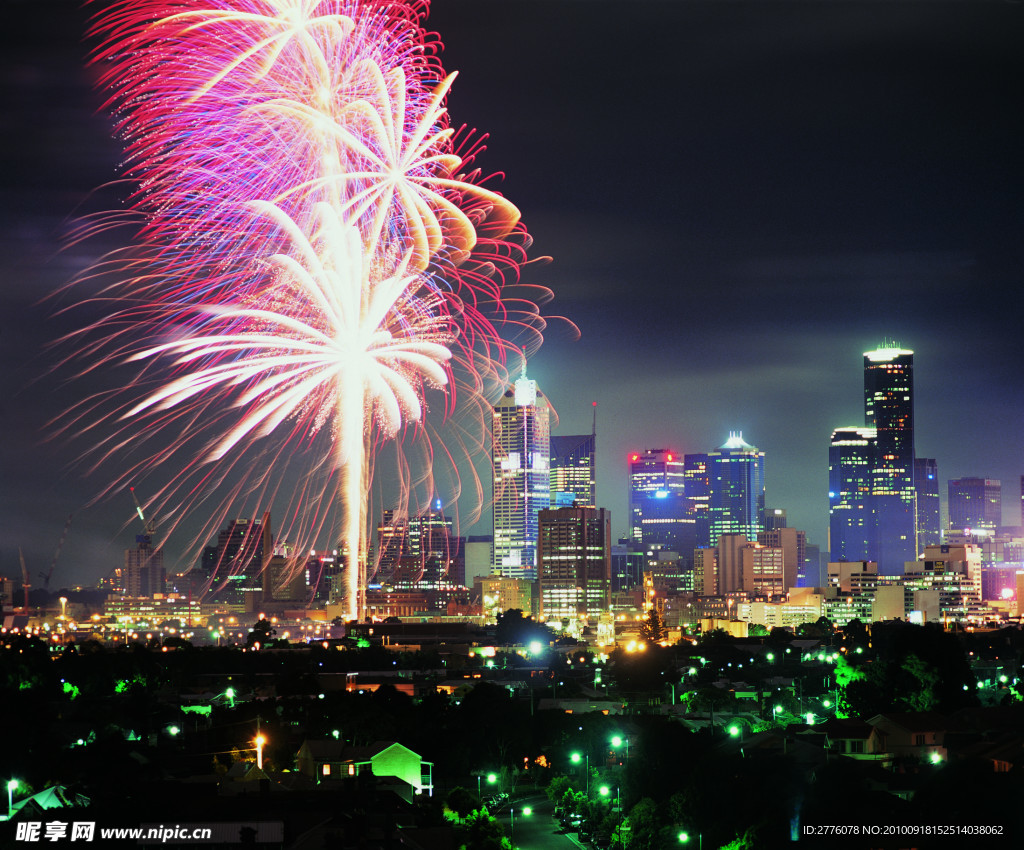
<point>576,759</point>
<point>527,811</point>
<point>491,779</point>
<point>260,741</point>
<point>12,785</point>
<point>617,741</point>
<point>684,838</point>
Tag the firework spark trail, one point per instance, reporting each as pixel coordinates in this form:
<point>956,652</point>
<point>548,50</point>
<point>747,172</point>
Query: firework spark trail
<point>317,255</point>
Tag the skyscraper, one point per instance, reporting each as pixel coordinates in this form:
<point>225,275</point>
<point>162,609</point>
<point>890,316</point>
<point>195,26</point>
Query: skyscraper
<point>889,408</point>
<point>851,526</point>
<point>697,488</point>
<point>144,573</point>
<point>573,478</point>
<point>975,503</point>
<point>574,563</point>
<point>236,563</point>
<point>926,484</point>
<point>522,478</point>
<point>736,489</point>
<point>657,502</point>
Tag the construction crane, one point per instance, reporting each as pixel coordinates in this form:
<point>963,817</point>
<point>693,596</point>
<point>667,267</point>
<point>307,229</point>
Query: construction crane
<point>24,578</point>
<point>56,553</point>
<point>149,526</point>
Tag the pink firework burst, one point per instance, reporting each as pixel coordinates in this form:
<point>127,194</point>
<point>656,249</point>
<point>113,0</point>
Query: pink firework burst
<point>316,259</point>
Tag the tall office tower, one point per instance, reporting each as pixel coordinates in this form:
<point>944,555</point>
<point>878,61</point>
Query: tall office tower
<point>144,567</point>
<point>439,555</point>
<point>736,485</point>
<point>851,522</point>
<point>811,571</point>
<point>764,570</point>
<point>574,563</point>
<point>975,503</point>
<point>793,544</point>
<point>774,518</point>
<point>235,564</point>
<point>729,550</point>
<point>1022,510</point>
<point>657,502</point>
<point>391,545</point>
<point>889,408</point>
<point>705,572</point>
<point>573,471</point>
<point>926,484</point>
<point>522,478</point>
<point>698,496</point>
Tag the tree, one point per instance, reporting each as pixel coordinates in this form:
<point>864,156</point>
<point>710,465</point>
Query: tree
<point>515,628</point>
<point>261,633</point>
<point>462,801</point>
<point>653,628</point>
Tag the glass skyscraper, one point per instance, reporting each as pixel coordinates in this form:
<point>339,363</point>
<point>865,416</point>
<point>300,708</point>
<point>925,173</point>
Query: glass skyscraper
<point>522,477</point>
<point>736,489</point>
<point>573,479</point>
<point>975,503</point>
<point>889,408</point>
<point>657,503</point>
<point>926,484</point>
<point>851,459</point>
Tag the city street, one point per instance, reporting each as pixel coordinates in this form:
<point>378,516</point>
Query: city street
<point>538,830</point>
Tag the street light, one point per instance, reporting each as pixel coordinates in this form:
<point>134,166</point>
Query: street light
<point>576,758</point>
<point>684,838</point>
<point>618,741</point>
<point>527,811</point>
<point>12,785</point>
<point>491,779</point>
<point>260,741</point>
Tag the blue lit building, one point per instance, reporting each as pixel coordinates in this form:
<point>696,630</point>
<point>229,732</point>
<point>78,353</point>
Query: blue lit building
<point>889,409</point>
<point>926,484</point>
<point>851,529</point>
<point>657,503</point>
<point>736,489</point>
<point>522,478</point>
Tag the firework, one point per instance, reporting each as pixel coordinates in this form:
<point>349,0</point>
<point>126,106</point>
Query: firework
<point>315,255</point>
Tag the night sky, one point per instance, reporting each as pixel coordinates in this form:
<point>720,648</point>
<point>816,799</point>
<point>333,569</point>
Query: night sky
<point>739,199</point>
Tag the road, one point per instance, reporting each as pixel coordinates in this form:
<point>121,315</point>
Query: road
<point>536,831</point>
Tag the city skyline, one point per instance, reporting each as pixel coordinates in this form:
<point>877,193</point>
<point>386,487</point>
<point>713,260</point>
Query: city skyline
<point>739,202</point>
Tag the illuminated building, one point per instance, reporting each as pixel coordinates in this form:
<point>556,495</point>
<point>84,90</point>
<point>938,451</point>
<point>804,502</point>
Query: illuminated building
<point>975,503</point>
<point>851,591</point>
<point>573,471</point>
<point>764,570</point>
<point>793,544</point>
<point>926,484</point>
<point>705,571</point>
<point>498,594</point>
<point>574,563</point>
<point>697,489</point>
<point>390,545</point>
<point>657,502</point>
<point>736,489</point>
<point>946,583</point>
<point>522,478</point>
<point>851,457</point>
<point>235,564</point>
<point>889,409</point>
<point>144,568</point>
<point>284,584</point>
<point>774,518</point>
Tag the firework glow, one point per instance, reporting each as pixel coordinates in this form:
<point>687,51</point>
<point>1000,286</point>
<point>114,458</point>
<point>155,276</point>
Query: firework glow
<point>315,262</point>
